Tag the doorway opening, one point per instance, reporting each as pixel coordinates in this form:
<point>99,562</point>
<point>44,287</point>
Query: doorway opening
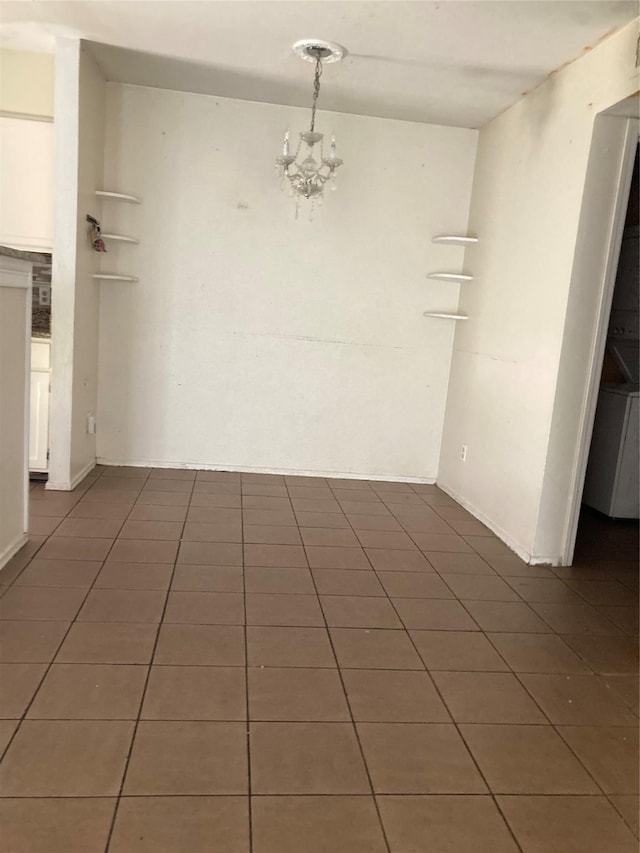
<point>608,529</point>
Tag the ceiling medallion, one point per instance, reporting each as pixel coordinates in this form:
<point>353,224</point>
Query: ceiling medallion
<point>305,174</point>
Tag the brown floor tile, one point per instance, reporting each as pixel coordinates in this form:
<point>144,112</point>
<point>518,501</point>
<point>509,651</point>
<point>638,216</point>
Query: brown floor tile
<point>416,520</point>
<point>75,691</point>
<point>316,825</point>
<point>526,760</point>
<point>537,653</point>
<point>273,646</point>
<point>56,825</point>
<point>18,683</point>
<point>627,806</point>
<point>122,605</point>
<point>365,494</point>
<point>387,539</point>
<point>459,564</point>
<point>433,614</point>
<point>352,507</point>
<point>168,484</point>
<point>271,534</point>
<point>374,522</point>
<point>200,532</point>
<point>213,500</point>
<point>332,520</point>
<point>195,693</point>
<point>625,618</point>
<point>75,548</point>
<point>465,651</point>
<point>129,471</point>
<point>350,611</point>
<point>486,697</point>
<point>486,545</point>
<point>509,567</point>
<point>210,554</point>
<point>480,588</point>
<point>315,505</point>
<point>220,516</point>
<point>144,512</point>
<point>159,498</point>
<point>606,655</point>
<point>268,580</point>
<point>273,490</point>
<point>441,542</point>
<point>7,728</point>
<point>41,525</point>
<point>283,610</point>
<point>200,645</point>
<point>100,528</point>
<point>50,506</point>
<point>66,758</point>
<point>296,695</point>
<point>219,476</point>
<point>134,576</point>
<point>280,517</point>
<point>625,686</point>
<point>569,824</point>
<point>347,582</point>
<point>46,603</point>
<point>368,648</point>
<point>577,700</point>
<point>574,619</point>
<point>418,759</point>
<point>207,578</point>
<point>188,758</point>
<point>334,557</point>
<point>108,642</point>
<point>540,590</point>
<point>138,529</point>
<point>306,758</point>
<point>414,585</point>
<point>265,502</point>
<point>169,824</point>
<point>172,474</point>
<point>93,509</point>
<point>205,608</point>
<point>143,551</point>
<point>603,592</point>
<point>609,753</point>
<point>393,696</point>
<point>70,573</point>
<point>30,642</point>
<point>310,481</point>
<point>507,616</point>
<point>398,560</point>
<point>451,824</point>
<point>329,536</point>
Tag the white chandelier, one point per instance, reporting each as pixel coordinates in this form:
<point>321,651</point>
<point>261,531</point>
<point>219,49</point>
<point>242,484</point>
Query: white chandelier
<point>307,175</point>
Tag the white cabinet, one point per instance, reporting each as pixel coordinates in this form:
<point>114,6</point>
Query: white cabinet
<point>39,420</point>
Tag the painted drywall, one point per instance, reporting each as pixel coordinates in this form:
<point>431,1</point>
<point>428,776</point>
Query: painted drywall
<point>27,83</point>
<point>79,160</point>
<point>526,205</point>
<point>255,340</point>
<point>15,315</point>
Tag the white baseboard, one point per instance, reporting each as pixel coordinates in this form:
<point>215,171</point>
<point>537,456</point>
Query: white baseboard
<point>522,552</point>
<point>244,469</point>
<point>11,550</point>
<point>69,486</point>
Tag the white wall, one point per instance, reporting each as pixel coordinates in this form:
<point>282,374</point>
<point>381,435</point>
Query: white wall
<point>79,160</point>
<point>256,341</point>
<point>526,205</point>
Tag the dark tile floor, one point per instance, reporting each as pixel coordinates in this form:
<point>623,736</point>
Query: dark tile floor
<point>221,663</point>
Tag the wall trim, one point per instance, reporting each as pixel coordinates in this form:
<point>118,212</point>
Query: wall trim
<point>69,486</point>
<point>499,532</point>
<point>242,469</point>
<point>12,549</point>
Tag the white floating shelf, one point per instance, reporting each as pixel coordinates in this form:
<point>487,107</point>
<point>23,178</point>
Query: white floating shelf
<point>120,237</point>
<point>445,316</point>
<point>133,199</point>
<point>111,277</point>
<point>450,276</point>
<point>454,240</point>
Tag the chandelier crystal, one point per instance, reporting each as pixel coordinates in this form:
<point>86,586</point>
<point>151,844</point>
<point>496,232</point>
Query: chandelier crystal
<point>308,170</point>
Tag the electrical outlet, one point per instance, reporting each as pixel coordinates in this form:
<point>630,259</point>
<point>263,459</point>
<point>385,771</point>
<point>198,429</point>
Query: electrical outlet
<point>463,453</point>
<point>91,424</point>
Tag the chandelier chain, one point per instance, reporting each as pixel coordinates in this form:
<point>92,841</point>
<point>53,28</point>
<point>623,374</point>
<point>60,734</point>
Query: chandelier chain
<point>316,91</point>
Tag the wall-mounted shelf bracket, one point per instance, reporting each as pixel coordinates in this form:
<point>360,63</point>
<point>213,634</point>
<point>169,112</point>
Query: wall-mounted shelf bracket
<point>112,277</point>
<point>132,199</point>
<point>454,240</point>
<point>450,276</point>
<point>443,316</point>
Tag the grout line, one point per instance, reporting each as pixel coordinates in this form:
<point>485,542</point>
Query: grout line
<point>346,696</point>
<point>146,683</point>
<point>246,676</point>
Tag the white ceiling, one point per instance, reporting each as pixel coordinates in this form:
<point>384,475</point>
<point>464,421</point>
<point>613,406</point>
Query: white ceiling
<point>452,62</point>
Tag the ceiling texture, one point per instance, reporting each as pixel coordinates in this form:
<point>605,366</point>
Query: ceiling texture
<point>451,62</point>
